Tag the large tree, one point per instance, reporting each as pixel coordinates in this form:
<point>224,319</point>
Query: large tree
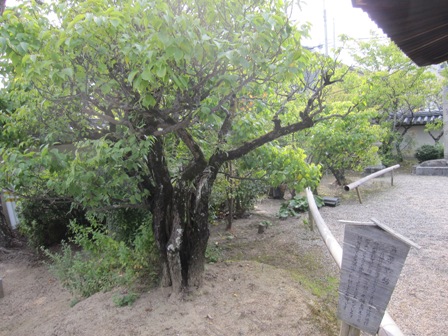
<point>160,94</point>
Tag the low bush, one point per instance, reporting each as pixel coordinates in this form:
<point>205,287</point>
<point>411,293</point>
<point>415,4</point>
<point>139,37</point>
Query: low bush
<point>124,223</point>
<point>244,193</point>
<point>45,221</point>
<point>104,262</point>
<point>428,152</point>
<point>297,205</point>
<point>125,299</point>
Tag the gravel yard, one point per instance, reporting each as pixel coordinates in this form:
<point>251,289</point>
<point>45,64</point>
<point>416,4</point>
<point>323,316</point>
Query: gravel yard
<point>416,207</point>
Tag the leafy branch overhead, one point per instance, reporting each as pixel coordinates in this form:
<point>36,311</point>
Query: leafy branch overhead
<point>156,96</point>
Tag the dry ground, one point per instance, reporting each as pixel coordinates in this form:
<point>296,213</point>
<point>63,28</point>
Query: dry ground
<point>282,282</point>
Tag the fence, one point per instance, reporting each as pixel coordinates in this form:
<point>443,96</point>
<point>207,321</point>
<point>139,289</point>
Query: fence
<point>356,184</point>
<point>388,326</point>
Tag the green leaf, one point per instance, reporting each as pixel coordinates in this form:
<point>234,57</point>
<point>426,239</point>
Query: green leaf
<point>77,18</point>
<point>68,72</point>
<point>161,71</point>
<point>22,48</point>
<point>132,75</point>
<point>148,101</point>
<point>115,22</point>
<point>147,75</point>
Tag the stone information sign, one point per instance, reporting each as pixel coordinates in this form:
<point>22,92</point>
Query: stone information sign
<point>371,264</point>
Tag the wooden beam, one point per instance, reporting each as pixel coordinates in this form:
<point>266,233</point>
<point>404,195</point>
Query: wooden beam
<point>355,184</point>
<point>445,121</point>
<point>395,234</point>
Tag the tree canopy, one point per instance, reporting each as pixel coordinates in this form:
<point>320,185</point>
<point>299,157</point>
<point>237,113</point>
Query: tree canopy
<point>155,96</point>
<point>396,88</point>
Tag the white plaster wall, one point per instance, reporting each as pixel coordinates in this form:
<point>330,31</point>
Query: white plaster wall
<point>415,138</point>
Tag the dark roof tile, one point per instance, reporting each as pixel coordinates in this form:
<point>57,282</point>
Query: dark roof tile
<point>418,27</point>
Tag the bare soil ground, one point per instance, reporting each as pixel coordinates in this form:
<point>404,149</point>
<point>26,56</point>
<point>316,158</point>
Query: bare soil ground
<point>281,282</point>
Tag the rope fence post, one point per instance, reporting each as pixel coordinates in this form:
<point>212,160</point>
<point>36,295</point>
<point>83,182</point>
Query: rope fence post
<point>356,184</point>
<point>359,195</point>
<point>392,178</point>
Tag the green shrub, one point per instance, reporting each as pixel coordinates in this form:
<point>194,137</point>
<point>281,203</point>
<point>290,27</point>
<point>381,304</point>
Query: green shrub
<point>104,262</point>
<point>125,299</point>
<point>123,223</point>
<point>297,205</point>
<point>244,192</point>
<point>213,253</point>
<point>45,221</point>
<point>247,193</point>
<point>428,152</point>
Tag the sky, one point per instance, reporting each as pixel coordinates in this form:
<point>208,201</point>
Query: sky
<point>342,18</point>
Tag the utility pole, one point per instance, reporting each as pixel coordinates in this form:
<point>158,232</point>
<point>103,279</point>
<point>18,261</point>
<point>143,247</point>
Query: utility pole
<point>325,29</point>
<point>334,34</point>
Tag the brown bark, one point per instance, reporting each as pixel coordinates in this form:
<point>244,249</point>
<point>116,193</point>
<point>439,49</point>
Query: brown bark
<point>181,228</point>
<point>180,220</point>
<point>339,175</point>
<point>230,202</point>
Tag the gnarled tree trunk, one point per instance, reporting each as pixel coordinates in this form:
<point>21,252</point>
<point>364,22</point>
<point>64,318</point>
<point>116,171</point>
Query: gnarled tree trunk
<point>339,175</point>
<point>180,221</point>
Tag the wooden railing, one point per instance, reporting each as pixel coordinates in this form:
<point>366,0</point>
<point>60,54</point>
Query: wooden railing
<point>388,326</point>
<point>356,184</point>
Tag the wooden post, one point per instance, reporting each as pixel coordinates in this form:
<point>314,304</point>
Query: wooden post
<point>359,195</point>
<point>311,220</point>
<point>348,330</point>
<point>392,178</point>
<point>350,186</point>
<point>2,294</point>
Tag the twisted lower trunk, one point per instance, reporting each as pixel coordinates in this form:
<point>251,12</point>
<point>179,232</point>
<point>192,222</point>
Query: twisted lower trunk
<point>339,175</point>
<point>180,222</point>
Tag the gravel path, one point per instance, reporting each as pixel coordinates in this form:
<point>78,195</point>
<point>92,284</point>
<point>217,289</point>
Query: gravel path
<point>416,207</point>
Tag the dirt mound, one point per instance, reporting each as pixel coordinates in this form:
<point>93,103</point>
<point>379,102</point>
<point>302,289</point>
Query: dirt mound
<point>238,298</point>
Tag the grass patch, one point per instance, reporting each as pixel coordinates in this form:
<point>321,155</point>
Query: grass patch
<point>213,253</point>
<point>324,309</point>
<point>125,299</point>
<point>322,288</point>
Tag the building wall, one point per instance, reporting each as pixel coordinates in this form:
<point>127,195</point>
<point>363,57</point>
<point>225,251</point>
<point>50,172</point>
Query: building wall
<point>417,137</point>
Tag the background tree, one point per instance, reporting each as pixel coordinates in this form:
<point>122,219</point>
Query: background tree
<point>157,96</point>
<point>346,144</point>
<point>435,130</point>
<point>397,88</point>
